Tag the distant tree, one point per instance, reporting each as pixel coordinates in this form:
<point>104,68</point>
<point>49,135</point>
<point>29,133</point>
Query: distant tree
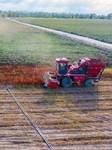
<point>4,14</point>
<point>77,15</point>
<point>102,17</point>
<point>53,15</point>
<point>109,16</point>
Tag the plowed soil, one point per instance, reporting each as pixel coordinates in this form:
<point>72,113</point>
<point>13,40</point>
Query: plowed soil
<point>75,118</point>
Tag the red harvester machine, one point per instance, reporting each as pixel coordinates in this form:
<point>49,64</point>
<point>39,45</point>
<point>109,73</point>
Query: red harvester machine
<point>86,71</point>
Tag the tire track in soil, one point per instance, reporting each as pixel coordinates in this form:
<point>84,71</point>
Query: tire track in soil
<point>15,130</point>
<point>67,121</point>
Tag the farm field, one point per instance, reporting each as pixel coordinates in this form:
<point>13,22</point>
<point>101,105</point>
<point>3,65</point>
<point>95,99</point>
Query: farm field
<point>25,45</point>
<point>26,53</point>
<point>73,118</point>
<point>95,28</point>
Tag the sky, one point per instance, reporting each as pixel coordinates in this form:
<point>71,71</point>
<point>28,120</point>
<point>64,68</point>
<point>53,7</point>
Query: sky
<point>69,6</point>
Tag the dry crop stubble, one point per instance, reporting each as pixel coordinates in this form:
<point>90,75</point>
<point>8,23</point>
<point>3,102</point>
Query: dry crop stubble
<point>66,119</point>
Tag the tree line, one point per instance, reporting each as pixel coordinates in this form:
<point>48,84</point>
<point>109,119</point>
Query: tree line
<point>9,14</point>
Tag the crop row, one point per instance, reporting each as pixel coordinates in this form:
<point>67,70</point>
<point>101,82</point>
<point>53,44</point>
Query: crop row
<point>64,120</point>
<point>96,29</point>
<point>26,45</point>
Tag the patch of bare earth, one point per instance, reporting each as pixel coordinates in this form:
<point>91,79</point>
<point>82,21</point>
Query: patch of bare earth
<point>23,74</point>
<point>73,118</point>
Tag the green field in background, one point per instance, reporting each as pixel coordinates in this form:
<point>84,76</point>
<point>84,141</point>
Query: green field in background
<point>20,44</point>
<point>93,28</point>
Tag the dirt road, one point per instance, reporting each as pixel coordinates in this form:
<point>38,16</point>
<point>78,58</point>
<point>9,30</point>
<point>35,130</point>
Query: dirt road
<point>86,40</point>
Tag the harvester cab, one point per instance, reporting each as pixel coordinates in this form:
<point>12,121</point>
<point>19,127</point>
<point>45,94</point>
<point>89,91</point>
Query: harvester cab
<point>61,66</point>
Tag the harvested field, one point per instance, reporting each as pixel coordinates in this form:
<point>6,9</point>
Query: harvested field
<point>73,118</point>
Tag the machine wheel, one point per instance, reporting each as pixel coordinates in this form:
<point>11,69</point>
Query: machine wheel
<point>88,83</point>
<point>66,82</point>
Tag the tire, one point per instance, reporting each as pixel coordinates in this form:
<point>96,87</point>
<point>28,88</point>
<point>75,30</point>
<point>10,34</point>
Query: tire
<point>88,83</point>
<point>66,82</point>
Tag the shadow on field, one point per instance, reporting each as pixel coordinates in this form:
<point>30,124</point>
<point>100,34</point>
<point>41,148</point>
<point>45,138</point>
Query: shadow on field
<point>87,98</point>
<point>78,98</point>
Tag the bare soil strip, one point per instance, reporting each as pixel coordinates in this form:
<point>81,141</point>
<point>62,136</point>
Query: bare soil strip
<point>15,130</point>
<point>67,120</point>
<point>86,40</point>
<point>30,119</point>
